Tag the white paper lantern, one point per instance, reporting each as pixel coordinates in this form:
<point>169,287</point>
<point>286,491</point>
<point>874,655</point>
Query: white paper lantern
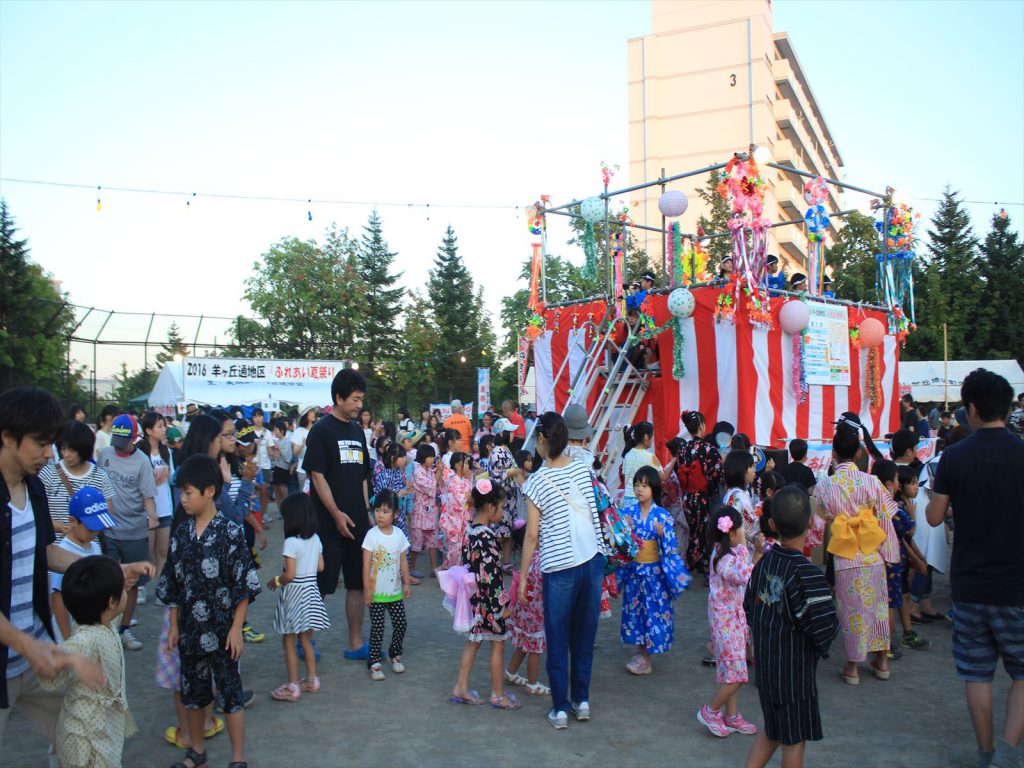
<point>592,209</point>
<point>673,203</point>
<point>793,316</point>
<point>681,302</point>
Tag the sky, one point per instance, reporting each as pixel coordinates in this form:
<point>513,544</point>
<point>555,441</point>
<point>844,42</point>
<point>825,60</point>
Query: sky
<point>474,108</point>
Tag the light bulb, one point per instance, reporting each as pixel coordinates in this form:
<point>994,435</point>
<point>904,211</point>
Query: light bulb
<point>762,155</point>
<point>462,358</point>
<point>355,366</point>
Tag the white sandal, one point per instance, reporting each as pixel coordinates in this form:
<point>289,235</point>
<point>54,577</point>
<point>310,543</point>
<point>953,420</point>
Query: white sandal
<point>537,689</point>
<point>515,679</point>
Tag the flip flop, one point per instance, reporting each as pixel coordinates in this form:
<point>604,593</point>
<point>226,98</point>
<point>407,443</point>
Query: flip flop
<point>471,697</point>
<point>507,701</point>
<point>173,736</point>
<point>217,727</point>
<point>881,674</point>
<point>850,679</point>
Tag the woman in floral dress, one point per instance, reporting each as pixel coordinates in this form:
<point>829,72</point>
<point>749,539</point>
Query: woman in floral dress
<point>697,504</point>
<point>863,540</point>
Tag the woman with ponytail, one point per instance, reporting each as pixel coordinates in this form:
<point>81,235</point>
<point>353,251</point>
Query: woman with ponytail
<point>639,439</point>
<point>700,472</point>
<point>860,512</point>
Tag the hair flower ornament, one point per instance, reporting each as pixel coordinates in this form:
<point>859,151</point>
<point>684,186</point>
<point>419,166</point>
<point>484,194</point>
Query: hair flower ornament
<point>725,524</point>
<point>483,486</point>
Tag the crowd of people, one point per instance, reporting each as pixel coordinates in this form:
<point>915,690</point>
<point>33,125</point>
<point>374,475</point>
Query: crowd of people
<point>528,547</point>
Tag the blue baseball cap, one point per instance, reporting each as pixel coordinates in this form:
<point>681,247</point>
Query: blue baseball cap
<point>124,431</point>
<point>90,509</point>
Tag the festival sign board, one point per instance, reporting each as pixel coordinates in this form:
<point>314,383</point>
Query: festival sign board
<point>827,349</point>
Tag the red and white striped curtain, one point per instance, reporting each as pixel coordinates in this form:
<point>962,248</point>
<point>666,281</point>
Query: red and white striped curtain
<point>735,373</point>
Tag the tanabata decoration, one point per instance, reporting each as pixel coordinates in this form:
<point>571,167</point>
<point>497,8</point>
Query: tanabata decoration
<point>817,223</point>
<point>793,318</point>
<point>869,334</point>
<point>537,324</point>
<point>535,270</point>
<point>615,240</point>
<point>743,187</point>
<point>895,275</point>
<point>673,204</point>
<point>592,210</point>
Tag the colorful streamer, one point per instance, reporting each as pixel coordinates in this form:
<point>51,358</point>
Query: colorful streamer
<point>894,279</point>
<point>535,269</point>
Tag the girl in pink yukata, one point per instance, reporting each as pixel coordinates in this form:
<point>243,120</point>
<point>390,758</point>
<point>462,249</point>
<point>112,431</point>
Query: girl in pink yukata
<point>423,523</point>
<point>526,624</point>
<point>456,508</point>
<point>739,473</point>
<point>729,570</point>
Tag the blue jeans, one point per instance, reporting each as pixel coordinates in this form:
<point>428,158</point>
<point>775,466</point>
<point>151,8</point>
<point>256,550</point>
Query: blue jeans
<point>572,604</point>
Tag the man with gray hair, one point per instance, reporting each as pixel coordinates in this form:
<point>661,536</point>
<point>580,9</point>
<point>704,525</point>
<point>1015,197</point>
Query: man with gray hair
<point>461,424</point>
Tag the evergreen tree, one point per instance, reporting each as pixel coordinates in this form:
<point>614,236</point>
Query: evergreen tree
<point>34,319</point>
<point>417,373</point>
<point>716,220</point>
<point>1003,295</point>
<point>342,251</point>
<point>380,336</point>
<point>175,345</point>
<point>852,259</point>
<point>453,300</point>
<point>953,294</point>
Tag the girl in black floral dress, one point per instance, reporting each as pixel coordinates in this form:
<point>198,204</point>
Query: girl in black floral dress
<point>700,472</point>
<point>481,555</point>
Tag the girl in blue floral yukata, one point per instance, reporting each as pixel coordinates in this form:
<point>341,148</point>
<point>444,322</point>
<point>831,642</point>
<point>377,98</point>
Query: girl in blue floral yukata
<point>654,579</point>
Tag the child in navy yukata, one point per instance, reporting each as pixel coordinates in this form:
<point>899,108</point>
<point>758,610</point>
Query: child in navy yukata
<point>208,582</point>
<point>788,605</point>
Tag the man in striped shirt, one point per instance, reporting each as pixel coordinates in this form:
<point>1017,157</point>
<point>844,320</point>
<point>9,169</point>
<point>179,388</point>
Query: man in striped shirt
<point>31,420</point>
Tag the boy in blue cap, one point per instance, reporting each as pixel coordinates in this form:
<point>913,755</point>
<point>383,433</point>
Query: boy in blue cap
<point>88,514</point>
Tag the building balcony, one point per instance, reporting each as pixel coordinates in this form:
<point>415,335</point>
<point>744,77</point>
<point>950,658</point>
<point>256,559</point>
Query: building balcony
<point>792,243</point>
<point>787,79</point>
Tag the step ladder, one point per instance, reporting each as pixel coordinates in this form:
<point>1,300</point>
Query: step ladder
<point>622,388</point>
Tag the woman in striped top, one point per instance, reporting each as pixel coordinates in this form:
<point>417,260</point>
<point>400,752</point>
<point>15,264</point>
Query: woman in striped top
<point>562,518</point>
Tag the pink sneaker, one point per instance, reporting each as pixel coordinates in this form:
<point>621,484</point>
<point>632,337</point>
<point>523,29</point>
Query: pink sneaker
<point>712,718</point>
<point>736,724</point>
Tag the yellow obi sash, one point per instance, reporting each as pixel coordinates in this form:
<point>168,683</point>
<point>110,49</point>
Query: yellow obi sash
<point>859,533</point>
<point>647,552</point>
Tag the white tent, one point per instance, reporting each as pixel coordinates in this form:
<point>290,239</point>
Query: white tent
<point>934,380</point>
<point>231,381</point>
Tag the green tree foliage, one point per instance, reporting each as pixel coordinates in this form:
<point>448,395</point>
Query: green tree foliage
<point>950,289</point>
<point>417,376</point>
<point>34,320</point>
<point>853,259</point>
<point>453,300</point>
<point>305,296</point>
<point>175,345</point>
<point>1003,294</point>
<point>381,307</point>
<point>128,386</point>
<point>715,221</point>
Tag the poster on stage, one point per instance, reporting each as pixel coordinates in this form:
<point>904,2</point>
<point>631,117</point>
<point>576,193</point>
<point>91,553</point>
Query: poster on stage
<point>827,348</point>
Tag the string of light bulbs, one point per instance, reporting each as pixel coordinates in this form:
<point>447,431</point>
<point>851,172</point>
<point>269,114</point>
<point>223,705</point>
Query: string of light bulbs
<point>190,196</point>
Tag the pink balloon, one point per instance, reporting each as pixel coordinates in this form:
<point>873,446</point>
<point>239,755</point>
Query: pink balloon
<point>871,332</point>
<point>793,316</point>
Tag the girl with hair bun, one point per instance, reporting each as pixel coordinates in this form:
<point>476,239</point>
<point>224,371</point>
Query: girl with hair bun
<point>863,540</point>
<point>700,472</point>
<point>638,452</point>
<point>481,555</point>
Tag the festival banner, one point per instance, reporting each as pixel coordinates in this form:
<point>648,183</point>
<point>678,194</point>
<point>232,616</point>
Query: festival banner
<point>445,409</point>
<point>523,357</point>
<point>827,351</point>
<point>236,371</point>
<point>483,388</point>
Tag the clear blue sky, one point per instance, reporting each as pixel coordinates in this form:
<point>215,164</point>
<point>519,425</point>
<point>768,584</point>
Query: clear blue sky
<point>457,103</point>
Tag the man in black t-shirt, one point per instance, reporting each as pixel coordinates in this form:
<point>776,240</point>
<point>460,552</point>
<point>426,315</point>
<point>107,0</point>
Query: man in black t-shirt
<point>982,479</point>
<point>338,464</point>
<point>796,471</point>
<point>908,414</point>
